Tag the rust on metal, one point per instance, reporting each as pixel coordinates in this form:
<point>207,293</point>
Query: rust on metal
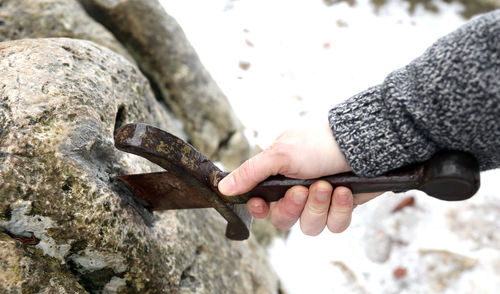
<point>162,191</point>
<point>190,180</point>
<point>187,169</point>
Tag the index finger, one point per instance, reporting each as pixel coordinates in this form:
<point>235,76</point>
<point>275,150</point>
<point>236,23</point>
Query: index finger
<point>249,174</point>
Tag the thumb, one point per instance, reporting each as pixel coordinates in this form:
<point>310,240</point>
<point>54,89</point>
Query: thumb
<point>249,174</point>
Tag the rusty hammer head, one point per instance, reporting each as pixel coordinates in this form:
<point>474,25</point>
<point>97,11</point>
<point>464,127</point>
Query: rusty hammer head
<point>189,181</point>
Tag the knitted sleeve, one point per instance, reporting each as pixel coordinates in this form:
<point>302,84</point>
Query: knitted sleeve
<point>448,98</point>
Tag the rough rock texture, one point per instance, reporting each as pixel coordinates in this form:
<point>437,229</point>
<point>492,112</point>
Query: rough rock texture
<point>162,51</point>
<point>197,100</point>
<point>264,232</point>
<point>53,18</point>
<point>65,226</point>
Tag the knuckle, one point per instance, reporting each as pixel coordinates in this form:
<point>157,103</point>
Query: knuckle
<point>277,148</point>
<point>316,210</point>
<point>281,218</point>
<point>291,212</point>
<point>342,209</point>
<point>280,152</point>
<point>292,209</point>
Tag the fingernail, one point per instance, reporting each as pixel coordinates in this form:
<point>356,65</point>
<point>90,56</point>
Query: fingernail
<point>227,185</point>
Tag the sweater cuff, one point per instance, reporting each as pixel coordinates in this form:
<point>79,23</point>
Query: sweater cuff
<point>373,140</point>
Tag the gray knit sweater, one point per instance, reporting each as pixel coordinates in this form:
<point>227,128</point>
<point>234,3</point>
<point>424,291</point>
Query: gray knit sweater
<point>448,98</point>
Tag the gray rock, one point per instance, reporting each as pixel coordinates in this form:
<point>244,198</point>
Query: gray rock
<point>53,18</point>
<point>65,226</point>
<point>264,232</point>
<point>161,49</point>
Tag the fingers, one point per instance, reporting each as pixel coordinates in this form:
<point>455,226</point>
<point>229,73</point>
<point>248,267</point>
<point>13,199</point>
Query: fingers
<point>249,174</point>
<point>313,218</point>
<point>316,207</point>
<point>324,209</point>
<point>339,215</point>
<point>286,212</point>
<point>258,207</point>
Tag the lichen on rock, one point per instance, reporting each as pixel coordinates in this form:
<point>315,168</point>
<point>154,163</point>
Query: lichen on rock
<point>53,18</point>
<point>61,101</point>
<point>22,224</point>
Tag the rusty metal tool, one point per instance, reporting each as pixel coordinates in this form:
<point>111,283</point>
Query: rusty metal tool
<point>190,180</point>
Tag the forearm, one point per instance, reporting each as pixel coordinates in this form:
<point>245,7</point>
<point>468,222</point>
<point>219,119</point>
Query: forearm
<point>449,98</point>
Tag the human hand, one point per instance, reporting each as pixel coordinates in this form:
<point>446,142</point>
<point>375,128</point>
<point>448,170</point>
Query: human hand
<point>302,154</point>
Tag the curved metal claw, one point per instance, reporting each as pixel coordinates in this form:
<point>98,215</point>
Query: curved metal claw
<point>188,170</point>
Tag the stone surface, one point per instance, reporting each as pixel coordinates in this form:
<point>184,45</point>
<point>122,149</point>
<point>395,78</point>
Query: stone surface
<point>22,269</point>
<point>161,49</point>
<point>53,18</point>
<point>264,232</point>
<point>65,226</point>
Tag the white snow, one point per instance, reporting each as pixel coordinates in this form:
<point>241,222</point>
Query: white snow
<point>304,58</point>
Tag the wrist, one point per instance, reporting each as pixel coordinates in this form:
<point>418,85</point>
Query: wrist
<point>336,159</point>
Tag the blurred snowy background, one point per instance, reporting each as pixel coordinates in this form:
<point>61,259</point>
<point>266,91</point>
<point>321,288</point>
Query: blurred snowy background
<point>284,63</point>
